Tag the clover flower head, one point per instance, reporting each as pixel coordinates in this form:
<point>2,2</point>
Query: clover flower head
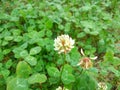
<point>63,44</point>
<point>86,62</point>
<point>60,88</point>
<point>65,88</point>
<point>102,86</point>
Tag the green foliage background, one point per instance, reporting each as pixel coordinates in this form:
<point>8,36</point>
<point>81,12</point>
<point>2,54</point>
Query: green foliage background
<point>27,32</point>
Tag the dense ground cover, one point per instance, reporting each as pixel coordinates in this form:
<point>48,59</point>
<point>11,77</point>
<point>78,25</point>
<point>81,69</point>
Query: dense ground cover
<point>28,29</point>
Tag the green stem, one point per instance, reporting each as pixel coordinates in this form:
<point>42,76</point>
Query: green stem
<point>76,69</point>
<point>81,71</point>
<point>64,58</point>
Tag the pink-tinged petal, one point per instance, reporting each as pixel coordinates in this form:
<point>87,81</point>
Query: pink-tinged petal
<point>82,52</point>
<point>94,58</point>
<point>86,65</point>
<point>80,63</point>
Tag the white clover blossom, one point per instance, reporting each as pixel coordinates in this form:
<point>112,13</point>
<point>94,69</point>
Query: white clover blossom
<point>60,88</point>
<point>63,44</point>
<point>102,86</point>
<point>65,88</point>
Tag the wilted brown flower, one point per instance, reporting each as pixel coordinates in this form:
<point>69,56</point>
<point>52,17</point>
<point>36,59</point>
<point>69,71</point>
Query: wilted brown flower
<point>85,63</point>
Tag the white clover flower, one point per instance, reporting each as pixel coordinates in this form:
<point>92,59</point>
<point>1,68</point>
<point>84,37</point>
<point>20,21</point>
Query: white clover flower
<point>63,44</point>
<point>65,88</point>
<point>59,88</point>
<point>102,86</point>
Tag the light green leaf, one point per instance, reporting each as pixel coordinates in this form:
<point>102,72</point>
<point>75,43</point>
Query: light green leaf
<point>16,32</point>
<point>31,60</point>
<point>81,35</point>
<point>53,72</point>
<point>85,82</point>
<point>23,69</point>
<point>6,51</point>
<point>8,38</point>
<point>48,24</point>
<point>74,56</point>
<point>8,64</point>
<point>116,61</point>
<point>39,66</point>
<point>17,84</point>
<point>4,43</point>
<point>1,56</point>
<point>37,78</point>
<point>109,56</point>
<point>5,73</point>
<point>67,78</point>
<point>67,68</point>
<point>24,53</point>
<point>53,80</point>
<point>41,33</point>
<point>49,33</point>
<point>18,38</point>
<point>35,50</point>
<point>116,72</point>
